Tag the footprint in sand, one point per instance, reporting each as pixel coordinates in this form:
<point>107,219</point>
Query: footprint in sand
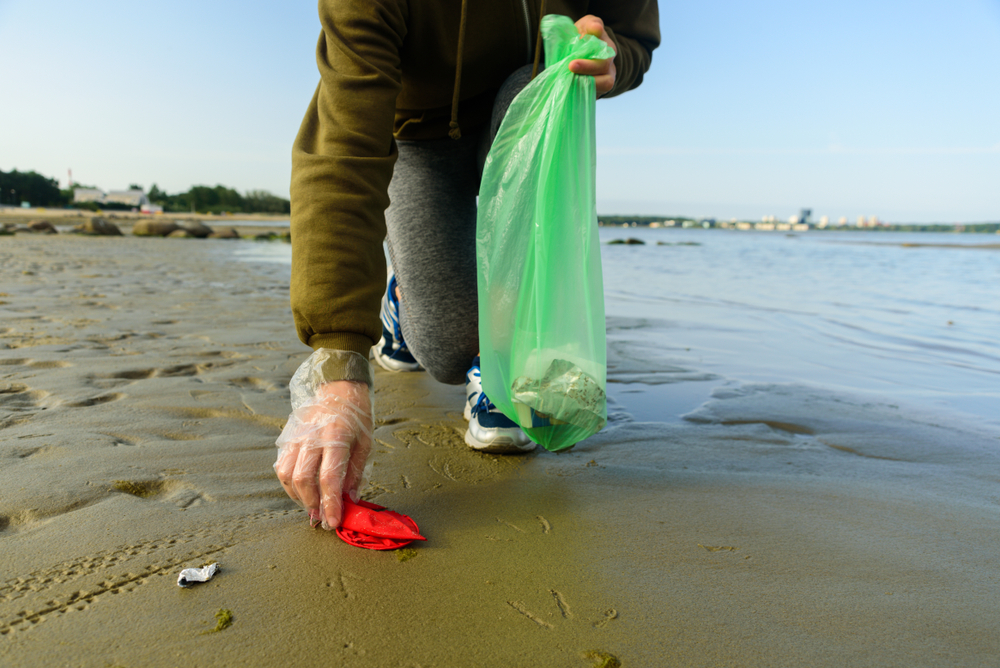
<point>36,364</point>
<point>19,403</point>
<point>20,397</point>
<point>179,493</point>
<point>97,401</point>
<point>253,384</point>
<point>127,376</point>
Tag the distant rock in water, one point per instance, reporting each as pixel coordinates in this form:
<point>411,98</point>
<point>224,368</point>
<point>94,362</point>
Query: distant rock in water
<point>229,233</point>
<point>154,228</point>
<point>98,227</point>
<point>181,233</point>
<point>196,229</point>
<point>42,227</point>
<point>271,235</point>
<point>631,241</point>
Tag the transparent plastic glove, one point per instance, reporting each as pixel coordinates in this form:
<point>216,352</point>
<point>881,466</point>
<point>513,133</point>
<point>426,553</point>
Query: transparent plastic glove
<point>325,444</point>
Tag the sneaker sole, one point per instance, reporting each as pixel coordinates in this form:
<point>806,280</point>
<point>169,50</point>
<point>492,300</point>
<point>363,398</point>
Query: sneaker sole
<point>500,445</point>
<point>390,364</point>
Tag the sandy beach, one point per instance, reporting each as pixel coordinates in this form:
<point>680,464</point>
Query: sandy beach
<point>143,382</point>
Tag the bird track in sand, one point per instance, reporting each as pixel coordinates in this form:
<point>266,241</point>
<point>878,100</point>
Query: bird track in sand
<point>72,585</point>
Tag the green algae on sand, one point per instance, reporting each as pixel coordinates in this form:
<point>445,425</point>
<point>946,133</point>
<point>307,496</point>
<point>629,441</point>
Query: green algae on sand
<point>602,659</point>
<point>223,620</point>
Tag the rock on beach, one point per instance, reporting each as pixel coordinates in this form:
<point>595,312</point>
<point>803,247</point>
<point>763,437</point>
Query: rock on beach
<point>196,228</point>
<point>42,227</point>
<point>154,228</point>
<point>228,233</point>
<point>98,227</point>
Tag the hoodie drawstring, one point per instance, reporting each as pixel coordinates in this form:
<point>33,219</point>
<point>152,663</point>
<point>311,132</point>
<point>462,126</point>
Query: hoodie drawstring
<point>455,132</point>
<point>538,42</point>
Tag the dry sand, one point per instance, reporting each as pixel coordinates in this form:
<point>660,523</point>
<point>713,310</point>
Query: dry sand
<point>743,536</point>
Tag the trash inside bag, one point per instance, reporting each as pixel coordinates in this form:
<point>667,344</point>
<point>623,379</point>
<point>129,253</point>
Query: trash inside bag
<point>564,395</point>
<point>541,291</point>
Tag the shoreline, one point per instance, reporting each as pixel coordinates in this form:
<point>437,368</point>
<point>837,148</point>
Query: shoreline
<point>750,533</point>
<point>16,213</point>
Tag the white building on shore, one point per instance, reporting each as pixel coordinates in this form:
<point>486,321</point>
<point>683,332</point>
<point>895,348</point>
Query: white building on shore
<point>88,195</point>
<point>134,198</point>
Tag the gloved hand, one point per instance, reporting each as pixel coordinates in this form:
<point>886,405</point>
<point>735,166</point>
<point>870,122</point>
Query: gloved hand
<point>323,449</point>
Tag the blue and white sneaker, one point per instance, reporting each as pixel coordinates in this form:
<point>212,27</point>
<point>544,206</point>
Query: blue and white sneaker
<point>473,388</point>
<point>391,352</point>
<point>489,429</point>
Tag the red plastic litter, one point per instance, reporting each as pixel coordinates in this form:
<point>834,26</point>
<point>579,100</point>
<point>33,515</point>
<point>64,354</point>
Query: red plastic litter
<point>372,527</point>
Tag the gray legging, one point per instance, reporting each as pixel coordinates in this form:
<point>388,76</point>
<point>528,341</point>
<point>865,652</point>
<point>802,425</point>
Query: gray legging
<point>431,224</point>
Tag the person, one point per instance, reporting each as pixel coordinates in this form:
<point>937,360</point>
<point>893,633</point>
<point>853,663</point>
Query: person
<point>391,148</point>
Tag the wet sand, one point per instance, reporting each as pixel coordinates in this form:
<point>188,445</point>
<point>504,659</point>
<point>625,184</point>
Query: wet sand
<point>142,385</point>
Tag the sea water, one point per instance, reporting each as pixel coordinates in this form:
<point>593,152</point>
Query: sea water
<point>911,318</point>
<point>908,319</point>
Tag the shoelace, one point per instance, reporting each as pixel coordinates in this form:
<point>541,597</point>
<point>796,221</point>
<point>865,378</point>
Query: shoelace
<point>484,404</point>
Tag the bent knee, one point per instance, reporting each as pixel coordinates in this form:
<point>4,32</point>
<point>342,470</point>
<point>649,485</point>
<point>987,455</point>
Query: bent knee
<point>450,371</point>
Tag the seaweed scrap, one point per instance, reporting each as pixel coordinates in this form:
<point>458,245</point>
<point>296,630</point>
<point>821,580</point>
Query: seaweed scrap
<point>223,620</point>
<point>602,659</point>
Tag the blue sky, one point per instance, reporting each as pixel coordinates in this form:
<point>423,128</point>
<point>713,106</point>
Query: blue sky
<point>887,108</point>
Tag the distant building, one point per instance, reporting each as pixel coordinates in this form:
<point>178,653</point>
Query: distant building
<point>134,198</point>
<point>88,195</point>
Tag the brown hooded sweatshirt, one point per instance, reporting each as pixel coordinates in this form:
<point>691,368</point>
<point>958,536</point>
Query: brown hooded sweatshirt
<point>387,71</point>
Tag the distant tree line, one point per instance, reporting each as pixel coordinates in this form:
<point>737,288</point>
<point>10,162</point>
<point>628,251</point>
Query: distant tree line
<point>17,187</point>
<point>39,190</point>
<point>220,199</point>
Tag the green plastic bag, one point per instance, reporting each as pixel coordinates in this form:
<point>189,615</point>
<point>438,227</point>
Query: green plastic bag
<point>541,293</point>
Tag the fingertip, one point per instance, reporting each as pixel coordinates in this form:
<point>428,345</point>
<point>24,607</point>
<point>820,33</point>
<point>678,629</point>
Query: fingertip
<point>332,511</point>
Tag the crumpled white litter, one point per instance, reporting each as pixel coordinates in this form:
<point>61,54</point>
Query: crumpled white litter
<point>190,576</point>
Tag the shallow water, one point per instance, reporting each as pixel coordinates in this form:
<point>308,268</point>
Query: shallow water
<point>858,313</point>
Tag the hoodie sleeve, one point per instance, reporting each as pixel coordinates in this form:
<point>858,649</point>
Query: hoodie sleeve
<point>342,162</point>
<point>634,27</point>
